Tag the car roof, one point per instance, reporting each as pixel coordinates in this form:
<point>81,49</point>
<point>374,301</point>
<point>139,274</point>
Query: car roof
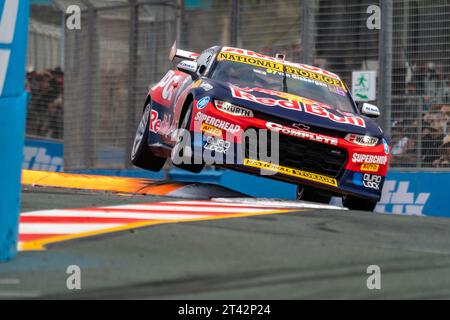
<point>253,54</point>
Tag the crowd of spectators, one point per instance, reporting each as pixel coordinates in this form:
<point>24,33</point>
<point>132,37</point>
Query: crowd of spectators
<point>421,126</point>
<point>45,103</point>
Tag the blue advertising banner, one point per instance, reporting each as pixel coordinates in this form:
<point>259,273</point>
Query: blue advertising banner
<point>43,155</point>
<point>416,193</point>
<point>13,42</point>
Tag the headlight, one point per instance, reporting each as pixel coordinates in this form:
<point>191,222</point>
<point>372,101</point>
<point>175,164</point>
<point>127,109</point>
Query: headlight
<point>233,109</point>
<point>360,140</point>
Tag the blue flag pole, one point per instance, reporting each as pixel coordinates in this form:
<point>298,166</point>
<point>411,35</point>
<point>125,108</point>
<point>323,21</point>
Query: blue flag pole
<point>13,99</point>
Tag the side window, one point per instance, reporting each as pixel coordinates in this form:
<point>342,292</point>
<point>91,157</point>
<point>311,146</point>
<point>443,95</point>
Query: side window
<point>205,60</point>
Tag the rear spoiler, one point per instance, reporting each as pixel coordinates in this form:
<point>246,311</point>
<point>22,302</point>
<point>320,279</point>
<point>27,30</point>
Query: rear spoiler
<point>177,53</point>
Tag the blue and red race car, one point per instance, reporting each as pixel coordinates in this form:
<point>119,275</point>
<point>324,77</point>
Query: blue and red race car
<point>264,115</point>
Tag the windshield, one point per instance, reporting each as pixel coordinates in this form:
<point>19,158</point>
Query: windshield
<point>258,73</point>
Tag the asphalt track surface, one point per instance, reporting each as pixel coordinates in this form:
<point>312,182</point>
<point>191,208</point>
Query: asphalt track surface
<point>310,254</point>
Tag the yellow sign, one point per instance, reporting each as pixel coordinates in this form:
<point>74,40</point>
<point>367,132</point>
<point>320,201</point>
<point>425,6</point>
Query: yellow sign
<point>206,128</point>
<point>291,172</point>
<point>271,65</point>
<point>257,62</point>
<point>315,76</point>
<point>370,167</point>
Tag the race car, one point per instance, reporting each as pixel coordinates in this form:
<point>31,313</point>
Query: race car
<point>266,116</point>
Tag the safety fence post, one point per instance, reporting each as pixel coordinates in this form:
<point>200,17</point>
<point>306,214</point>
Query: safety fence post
<point>13,100</point>
<point>385,62</point>
<point>308,35</point>
<point>132,72</point>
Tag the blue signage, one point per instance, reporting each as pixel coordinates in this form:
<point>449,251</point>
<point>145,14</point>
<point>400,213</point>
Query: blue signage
<point>43,155</point>
<point>13,98</point>
<point>416,193</point>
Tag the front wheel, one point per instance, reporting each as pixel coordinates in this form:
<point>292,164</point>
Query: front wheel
<point>141,155</point>
<point>360,204</point>
<point>309,194</point>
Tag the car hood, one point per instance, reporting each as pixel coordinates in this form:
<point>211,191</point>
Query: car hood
<point>333,120</point>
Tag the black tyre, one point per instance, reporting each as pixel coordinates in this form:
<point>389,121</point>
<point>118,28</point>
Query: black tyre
<point>141,155</point>
<point>188,160</point>
<point>354,203</point>
<point>305,193</point>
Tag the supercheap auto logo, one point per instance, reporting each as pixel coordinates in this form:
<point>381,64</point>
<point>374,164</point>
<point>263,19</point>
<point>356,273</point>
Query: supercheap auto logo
<point>369,159</point>
<point>217,123</point>
<point>290,172</point>
<point>369,167</point>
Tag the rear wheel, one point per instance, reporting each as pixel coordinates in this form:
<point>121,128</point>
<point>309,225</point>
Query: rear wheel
<point>354,203</point>
<point>310,194</point>
<point>179,149</point>
<point>141,155</point>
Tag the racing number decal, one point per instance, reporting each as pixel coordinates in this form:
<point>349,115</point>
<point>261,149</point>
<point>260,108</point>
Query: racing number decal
<point>168,84</point>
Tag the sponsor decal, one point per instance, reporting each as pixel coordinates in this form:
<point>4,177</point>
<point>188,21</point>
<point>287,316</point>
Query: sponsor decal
<point>168,85</point>
<point>165,125</point>
<point>254,61</point>
<point>155,122</point>
<point>366,141</point>
<point>217,145</point>
<point>366,180</point>
<point>220,124</point>
<point>233,109</point>
<point>291,172</point>
<point>386,146</point>
<point>398,198</point>
<point>315,76</point>
<point>320,111</point>
<point>298,104</point>
<point>301,126</point>
<point>372,181</point>
<point>368,158</point>
<point>208,129</point>
<point>301,134</point>
<point>297,65</point>
<point>42,155</point>
<point>272,64</point>
<point>188,65</point>
<point>203,102</point>
<point>370,167</point>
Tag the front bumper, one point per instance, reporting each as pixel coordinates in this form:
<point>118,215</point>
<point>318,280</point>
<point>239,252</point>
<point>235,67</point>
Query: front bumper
<point>337,166</point>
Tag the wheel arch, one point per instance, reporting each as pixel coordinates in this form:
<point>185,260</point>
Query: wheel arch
<point>147,101</point>
<point>186,104</point>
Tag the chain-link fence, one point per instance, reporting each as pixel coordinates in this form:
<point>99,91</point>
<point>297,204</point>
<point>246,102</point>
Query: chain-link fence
<point>110,64</point>
<point>122,47</point>
<point>45,81</point>
<point>421,84</point>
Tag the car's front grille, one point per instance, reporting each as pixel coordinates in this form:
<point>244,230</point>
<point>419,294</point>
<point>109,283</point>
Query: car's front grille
<point>305,155</point>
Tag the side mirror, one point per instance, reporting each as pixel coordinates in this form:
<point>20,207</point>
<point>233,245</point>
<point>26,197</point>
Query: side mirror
<point>370,110</point>
<point>189,67</point>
